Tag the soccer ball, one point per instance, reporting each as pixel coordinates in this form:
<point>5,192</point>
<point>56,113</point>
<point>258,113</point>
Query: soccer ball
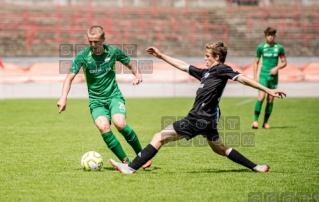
<point>92,161</point>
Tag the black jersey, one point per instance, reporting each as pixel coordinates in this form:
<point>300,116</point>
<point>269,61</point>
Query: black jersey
<point>212,84</point>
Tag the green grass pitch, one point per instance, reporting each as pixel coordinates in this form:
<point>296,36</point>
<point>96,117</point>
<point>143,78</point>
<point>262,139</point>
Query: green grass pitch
<point>41,151</point>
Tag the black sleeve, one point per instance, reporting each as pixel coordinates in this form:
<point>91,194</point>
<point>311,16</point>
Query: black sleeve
<point>196,72</point>
<point>226,71</point>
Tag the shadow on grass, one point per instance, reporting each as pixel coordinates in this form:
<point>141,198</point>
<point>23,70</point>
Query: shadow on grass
<point>88,171</point>
<point>146,170</point>
<point>281,127</point>
<point>108,168</point>
<point>221,171</point>
<point>152,168</point>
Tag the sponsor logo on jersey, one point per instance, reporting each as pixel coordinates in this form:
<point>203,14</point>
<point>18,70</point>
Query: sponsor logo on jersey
<point>94,71</point>
<point>107,60</point>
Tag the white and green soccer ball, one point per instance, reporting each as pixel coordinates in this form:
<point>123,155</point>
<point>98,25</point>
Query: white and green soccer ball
<point>92,161</point>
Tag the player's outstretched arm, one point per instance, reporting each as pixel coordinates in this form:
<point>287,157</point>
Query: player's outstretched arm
<point>179,64</point>
<point>65,91</point>
<point>249,82</point>
<point>135,70</point>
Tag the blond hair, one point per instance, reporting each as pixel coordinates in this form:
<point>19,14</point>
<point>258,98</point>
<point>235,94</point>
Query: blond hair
<point>96,30</point>
<point>218,48</point>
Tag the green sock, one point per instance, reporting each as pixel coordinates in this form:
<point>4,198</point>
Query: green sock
<point>257,109</point>
<point>131,138</point>
<point>114,145</point>
<point>268,110</point>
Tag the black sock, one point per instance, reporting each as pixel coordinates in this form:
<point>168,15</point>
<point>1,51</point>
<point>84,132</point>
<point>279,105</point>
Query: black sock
<point>266,118</point>
<point>240,159</point>
<point>146,154</point>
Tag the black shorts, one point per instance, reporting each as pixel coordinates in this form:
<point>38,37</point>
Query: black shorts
<point>191,126</point>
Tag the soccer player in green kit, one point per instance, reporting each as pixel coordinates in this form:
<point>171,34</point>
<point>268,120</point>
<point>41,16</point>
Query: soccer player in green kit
<point>106,101</point>
<point>268,53</point>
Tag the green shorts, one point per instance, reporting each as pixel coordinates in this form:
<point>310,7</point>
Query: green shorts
<point>269,81</point>
<point>107,107</point>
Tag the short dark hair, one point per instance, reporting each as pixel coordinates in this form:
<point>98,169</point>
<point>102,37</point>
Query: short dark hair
<point>218,48</point>
<point>96,29</point>
<point>270,31</point>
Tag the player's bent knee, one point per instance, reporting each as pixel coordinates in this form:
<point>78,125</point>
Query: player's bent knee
<point>270,99</point>
<point>103,128</point>
<point>103,125</point>
<point>119,121</point>
<point>261,96</point>
<point>120,125</point>
<point>219,148</point>
<point>219,152</point>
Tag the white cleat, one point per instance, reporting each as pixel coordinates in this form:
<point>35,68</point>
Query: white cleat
<point>122,167</point>
<point>262,168</point>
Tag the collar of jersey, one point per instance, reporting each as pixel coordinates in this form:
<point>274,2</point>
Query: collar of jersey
<point>105,50</point>
<point>212,67</point>
<point>267,45</point>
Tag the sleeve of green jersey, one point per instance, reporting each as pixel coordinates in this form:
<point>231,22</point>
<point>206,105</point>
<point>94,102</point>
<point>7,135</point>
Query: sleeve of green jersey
<point>120,56</point>
<point>258,51</point>
<point>77,64</point>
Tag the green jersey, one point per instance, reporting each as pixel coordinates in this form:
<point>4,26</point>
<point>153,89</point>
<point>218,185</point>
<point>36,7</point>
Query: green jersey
<point>269,56</point>
<point>100,71</point>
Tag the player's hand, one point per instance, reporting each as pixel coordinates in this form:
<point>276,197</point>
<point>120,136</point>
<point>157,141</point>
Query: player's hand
<point>154,51</point>
<point>273,71</point>
<point>61,105</point>
<point>277,93</point>
<point>138,79</point>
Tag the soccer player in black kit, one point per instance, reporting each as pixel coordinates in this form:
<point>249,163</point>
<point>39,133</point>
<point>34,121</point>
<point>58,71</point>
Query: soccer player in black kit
<point>203,117</point>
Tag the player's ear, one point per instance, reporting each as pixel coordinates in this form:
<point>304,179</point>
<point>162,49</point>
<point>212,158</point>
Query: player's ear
<point>216,57</point>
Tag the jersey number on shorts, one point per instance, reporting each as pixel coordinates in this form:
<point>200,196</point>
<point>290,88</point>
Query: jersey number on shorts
<point>121,107</point>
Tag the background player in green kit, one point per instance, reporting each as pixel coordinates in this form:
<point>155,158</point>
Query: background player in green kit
<point>268,53</point>
<point>106,101</point>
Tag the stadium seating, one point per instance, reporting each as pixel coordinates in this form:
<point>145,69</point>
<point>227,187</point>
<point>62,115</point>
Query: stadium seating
<point>50,72</point>
<point>159,72</point>
<point>289,25</point>
<point>12,73</point>
<point>68,24</point>
<point>290,73</point>
<point>311,72</point>
<point>181,28</point>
